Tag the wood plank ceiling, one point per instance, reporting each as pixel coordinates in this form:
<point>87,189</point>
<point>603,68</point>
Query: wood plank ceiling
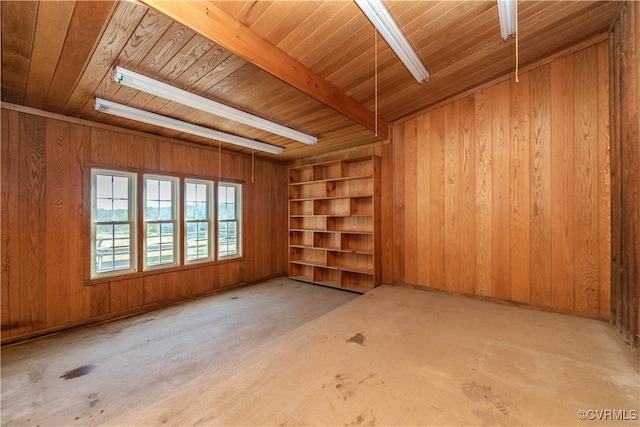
<point>60,55</point>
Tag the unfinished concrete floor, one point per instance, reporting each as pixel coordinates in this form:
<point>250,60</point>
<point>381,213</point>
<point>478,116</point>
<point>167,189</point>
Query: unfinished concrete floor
<point>394,356</point>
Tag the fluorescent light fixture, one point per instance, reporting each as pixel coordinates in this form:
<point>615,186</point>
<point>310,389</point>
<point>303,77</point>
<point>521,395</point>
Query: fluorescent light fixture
<point>507,15</point>
<point>154,87</point>
<point>387,27</point>
<point>143,116</point>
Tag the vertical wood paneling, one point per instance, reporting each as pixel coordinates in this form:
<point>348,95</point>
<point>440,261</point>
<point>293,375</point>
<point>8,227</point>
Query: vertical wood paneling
<point>410,203</point>
<point>10,176</point>
<point>586,154</point>
<point>452,258</point>
<point>79,151</point>
<point>562,186</point>
<point>604,181</point>
<point>484,201</point>
<point>46,213</point>
<point>540,188</point>
<point>57,222</point>
<point>32,223</point>
<point>509,189</point>
<point>398,206</point>
<point>436,157</point>
<point>520,233</point>
<point>467,194</point>
<point>386,213</point>
<point>423,196</point>
<point>501,191</point>
<point>625,172</point>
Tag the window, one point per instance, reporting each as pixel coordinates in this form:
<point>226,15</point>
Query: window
<point>197,218</point>
<point>113,228</point>
<point>160,222</point>
<point>229,208</point>
<point>174,221</point>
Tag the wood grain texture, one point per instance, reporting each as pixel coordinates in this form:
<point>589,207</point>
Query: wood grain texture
<point>218,26</point>
<point>504,198</point>
<point>586,153</point>
<point>452,213</point>
<point>625,170</point>
<point>437,219</point>
<point>410,203</point>
<point>45,243</point>
<point>468,195</point>
<point>484,201</point>
<point>540,151</point>
<point>52,24</point>
<point>563,185</point>
<point>57,242</point>
<point>501,191</point>
<point>423,196</point>
<point>520,232</point>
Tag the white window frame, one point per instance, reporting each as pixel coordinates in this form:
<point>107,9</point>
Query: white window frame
<point>237,220</point>
<point>175,221</point>
<point>131,221</point>
<point>209,220</point>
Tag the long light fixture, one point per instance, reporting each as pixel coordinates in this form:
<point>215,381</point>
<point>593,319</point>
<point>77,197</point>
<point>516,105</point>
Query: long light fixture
<point>143,116</point>
<point>507,16</point>
<point>154,87</point>
<point>387,27</point>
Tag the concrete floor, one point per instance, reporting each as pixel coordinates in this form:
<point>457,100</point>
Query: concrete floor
<point>296,354</point>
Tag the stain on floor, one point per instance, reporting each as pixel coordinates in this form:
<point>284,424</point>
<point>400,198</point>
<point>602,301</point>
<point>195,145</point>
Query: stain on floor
<point>78,372</point>
<point>358,339</point>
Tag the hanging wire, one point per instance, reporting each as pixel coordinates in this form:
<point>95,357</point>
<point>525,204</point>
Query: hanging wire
<point>517,64</point>
<point>253,164</point>
<point>375,66</point>
<point>219,160</point>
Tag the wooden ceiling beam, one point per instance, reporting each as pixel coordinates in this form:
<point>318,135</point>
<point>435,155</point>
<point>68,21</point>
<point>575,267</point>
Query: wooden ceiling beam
<point>215,24</point>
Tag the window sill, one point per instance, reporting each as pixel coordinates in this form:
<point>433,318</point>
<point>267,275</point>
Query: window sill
<point>157,271</point>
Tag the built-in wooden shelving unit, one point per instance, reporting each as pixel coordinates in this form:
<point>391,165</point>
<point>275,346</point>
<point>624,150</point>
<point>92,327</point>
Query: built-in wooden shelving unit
<point>334,223</point>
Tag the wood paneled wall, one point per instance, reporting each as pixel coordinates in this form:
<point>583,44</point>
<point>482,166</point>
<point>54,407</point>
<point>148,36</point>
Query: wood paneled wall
<point>624,42</point>
<point>45,180</point>
<point>506,193</point>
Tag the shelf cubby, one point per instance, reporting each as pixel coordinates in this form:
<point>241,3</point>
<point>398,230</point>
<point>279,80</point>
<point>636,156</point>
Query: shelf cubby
<point>357,187</point>
<point>301,238</point>
<point>326,171</point>
<point>327,276</point>
<point>351,261</point>
<point>332,207</point>
<point>326,240</point>
<point>361,206</point>
<point>350,224</point>
<point>311,190</point>
<point>301,272</point>
<point>357,168</point>
<point>307,223</point>
<point>301,207</point>
<point>308,256</point>
<point>356,281</point>
<point>303,174</point>
<point>356,242</point>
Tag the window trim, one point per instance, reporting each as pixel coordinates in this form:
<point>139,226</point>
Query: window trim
<point>133,222</point>
<point>176,215</point>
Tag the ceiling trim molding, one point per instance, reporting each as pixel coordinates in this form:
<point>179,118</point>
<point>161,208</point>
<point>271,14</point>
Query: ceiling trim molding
<point>213,23</point>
